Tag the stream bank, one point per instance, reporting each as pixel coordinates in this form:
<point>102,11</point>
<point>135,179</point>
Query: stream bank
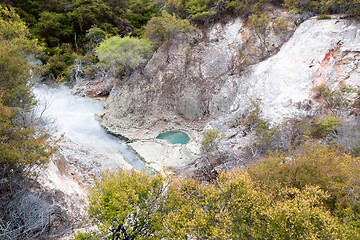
<point>74,117</point>
<point>86,149</point>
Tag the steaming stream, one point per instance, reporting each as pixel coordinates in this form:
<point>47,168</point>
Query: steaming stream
<point>75,117</point>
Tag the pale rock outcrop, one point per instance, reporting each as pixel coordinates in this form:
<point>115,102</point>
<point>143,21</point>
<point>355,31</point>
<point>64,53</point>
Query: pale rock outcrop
<point>163,156</point>
<point>206,81</point>
<point>319,52</point>
<point>90,80</point>
<point>180,85</point>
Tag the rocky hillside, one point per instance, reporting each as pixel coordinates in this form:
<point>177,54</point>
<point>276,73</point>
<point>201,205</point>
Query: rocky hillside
<point>211,78</point>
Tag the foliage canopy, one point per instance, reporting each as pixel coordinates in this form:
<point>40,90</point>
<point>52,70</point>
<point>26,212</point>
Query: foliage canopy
<point>165,27</point>
<point>16,50</point>
<point>236,206</point>
<point>22,146</point>
<point>124,55</point>
<point>130,204</point>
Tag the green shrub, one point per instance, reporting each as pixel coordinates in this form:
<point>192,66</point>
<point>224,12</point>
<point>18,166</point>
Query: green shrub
<point>130,205</point>
<point>199,11</point>
<point>281,25</point>
<point>92,235</point>
<point>337,101</point>
<point>127,204</point>
<point>165,27</point>
<point>323,16</point>
<point>253,117</point>
<point>124,55</point>
<point>96,35</point>
<point>241,7</point>
<point>210,141</point>
<point>22,147</point>
<point>203,17</point>
<point>15,44</point>
<point>322,126</point>
<point>259,22</point>
<point>55,68</point>
<point>312,164</point>
<point>291,5</point>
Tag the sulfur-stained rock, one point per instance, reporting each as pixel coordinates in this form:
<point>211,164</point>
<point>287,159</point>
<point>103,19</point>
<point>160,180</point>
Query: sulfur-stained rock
<point>313,56</point>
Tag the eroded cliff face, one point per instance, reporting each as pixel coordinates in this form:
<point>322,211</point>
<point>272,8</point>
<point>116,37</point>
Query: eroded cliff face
<point>210,79</point>
<point>180,86</point>
<point>320,51</point>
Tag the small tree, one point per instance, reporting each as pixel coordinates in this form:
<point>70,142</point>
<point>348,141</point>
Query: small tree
<point>23,147</point>
<point>210,141</point>
<point>127,204</point>
<point>124,55</point>
<point>15,50</point>
<point>258,24</point>
<point>212,156</point>
<point>165,27</point>
<point>96,35</point>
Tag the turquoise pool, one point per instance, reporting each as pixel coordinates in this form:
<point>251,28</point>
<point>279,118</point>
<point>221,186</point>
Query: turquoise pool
<point>175,137</point>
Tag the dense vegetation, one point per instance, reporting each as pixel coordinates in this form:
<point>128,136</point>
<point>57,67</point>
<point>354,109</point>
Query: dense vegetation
<point>124,55</point>
<point>304,186</point>
<point>309,194</point>
<point>23,145</point>
<point>70,28</point>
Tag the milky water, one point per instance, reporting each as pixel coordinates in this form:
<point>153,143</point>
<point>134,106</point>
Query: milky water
<point>74,116</point>
<point>175,137</point>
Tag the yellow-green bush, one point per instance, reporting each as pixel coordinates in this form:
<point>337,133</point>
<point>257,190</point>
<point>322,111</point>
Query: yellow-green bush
<point>310,192</point>
<point>124,55</point>
<point>312,164</point>
<point>322,126</point>
<point>165,27</point>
